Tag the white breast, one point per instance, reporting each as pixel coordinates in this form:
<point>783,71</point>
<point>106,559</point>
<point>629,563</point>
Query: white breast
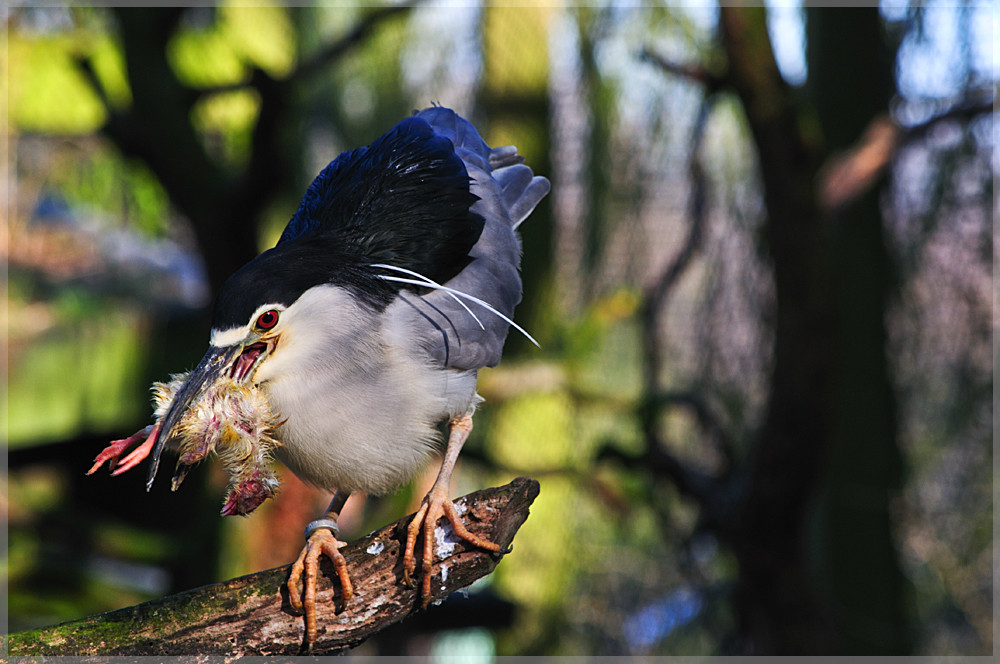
<point>361,406</point>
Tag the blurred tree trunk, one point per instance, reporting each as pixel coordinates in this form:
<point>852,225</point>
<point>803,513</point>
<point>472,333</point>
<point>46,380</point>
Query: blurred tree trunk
<point>778,607</point>
<point>597,185</point>
<point>157,129</point>
<point>818,570</point>
<point>851,83</point>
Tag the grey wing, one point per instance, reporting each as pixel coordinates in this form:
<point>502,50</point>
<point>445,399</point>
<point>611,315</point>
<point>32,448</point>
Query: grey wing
<point>508,191</point>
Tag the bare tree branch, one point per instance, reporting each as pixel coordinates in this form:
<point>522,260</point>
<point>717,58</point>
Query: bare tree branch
<point>656,295</point>
<point>978,103</point>
<point>695,484</point>
<point>692,483</point>
<point>250,615</point>
<point>361,30</point>
<point>848,175</point>
<point>692,72</point>
<point>86,69</point>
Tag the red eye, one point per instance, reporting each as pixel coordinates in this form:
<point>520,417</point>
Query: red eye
<point>267,320</point>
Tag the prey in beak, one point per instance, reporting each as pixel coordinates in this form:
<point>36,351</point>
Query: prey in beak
<point>217,364</point>
<point>209,411</point>
<point>215,408</point>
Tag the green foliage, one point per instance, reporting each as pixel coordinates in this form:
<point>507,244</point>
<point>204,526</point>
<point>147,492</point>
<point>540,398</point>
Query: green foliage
<point>112,191</point>
<point>84,374</point>
<point>48,93</point>
<point>226,120</point>
<point>514,39</point>
<point>237,39</point>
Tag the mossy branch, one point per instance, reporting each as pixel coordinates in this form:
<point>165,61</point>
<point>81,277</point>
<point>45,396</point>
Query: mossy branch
<point>250,615</point>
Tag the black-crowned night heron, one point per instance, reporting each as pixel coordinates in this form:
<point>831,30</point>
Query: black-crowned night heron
<point>364,328</point>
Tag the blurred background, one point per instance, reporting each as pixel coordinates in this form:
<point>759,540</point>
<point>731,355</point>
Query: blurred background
<point>761,414</point>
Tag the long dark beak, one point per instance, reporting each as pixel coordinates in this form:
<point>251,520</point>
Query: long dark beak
<point>212,366</point>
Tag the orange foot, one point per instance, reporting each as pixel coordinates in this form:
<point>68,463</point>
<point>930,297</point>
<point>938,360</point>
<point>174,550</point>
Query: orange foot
<point>321,542</point>
<point>435,505</point>
<point>115,449</point>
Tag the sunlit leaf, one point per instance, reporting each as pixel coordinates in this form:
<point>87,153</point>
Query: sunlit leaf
<point>47,91</point>
<point>263,35</point>
<point>205,58</point>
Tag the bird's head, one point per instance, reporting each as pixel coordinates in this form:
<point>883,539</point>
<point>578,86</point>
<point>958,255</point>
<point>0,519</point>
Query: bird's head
<point>234,354</point>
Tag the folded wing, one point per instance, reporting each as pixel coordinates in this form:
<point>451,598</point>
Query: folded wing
<point>507,192</point>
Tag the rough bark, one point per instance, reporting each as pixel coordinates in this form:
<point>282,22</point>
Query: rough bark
<point>250,615</point>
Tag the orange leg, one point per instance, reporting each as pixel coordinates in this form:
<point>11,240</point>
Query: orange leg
<point>321,541</point>
<point>435,505</point>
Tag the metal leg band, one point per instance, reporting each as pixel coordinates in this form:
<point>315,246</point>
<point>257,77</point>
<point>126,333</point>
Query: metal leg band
<point>318,524</point>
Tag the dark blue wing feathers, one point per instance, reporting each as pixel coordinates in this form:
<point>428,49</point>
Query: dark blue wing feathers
<point>404,200</point>
<point>307,219</point>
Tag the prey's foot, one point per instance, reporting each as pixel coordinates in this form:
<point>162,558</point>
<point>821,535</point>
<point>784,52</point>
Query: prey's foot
<point>436,504</point>
<point>321,542</point>
<point>111,453</point>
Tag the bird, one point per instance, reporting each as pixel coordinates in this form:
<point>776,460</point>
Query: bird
<point>364,328</point>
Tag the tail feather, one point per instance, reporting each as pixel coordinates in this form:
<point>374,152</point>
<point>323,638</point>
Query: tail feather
<point>505,155</point>
<point>521,190</point>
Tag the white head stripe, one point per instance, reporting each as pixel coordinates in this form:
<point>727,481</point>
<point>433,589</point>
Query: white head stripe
<point>230,337</point>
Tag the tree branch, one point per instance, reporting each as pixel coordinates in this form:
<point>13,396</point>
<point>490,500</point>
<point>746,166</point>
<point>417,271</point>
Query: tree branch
<point>699,486</point>
<point>657,294</point>
<point>361,30</point>
<point>315,63</point>
<point>851,173</point>
<point>251,615</point>
<point>155,127</point>
<point>688,481</point>
<point>692,72</point>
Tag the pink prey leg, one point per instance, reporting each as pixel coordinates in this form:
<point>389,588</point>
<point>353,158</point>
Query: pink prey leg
<point>115,449</point>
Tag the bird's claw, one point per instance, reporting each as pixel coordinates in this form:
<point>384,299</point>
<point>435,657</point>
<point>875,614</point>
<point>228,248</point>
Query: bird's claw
<point>306,568</point>
<point>111,453</point>
<point>435,505</point>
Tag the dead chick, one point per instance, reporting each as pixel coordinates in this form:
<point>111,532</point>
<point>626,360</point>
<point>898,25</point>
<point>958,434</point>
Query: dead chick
<point>233,420</point>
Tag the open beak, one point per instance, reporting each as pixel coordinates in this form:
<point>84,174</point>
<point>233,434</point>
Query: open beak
<point>216,362</point>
